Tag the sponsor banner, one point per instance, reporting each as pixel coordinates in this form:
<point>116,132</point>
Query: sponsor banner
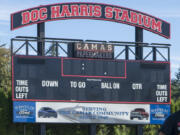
<point>55,112</point>
<point>97,11</point>
<point>24,111</point>
<point>159,113</point>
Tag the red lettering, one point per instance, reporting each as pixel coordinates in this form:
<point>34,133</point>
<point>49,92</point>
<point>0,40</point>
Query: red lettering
<point>34,15</point>
<point>147,21</point>
<point>74,10</point>
<point>90,10</point>
<point>43,14</point>
<point>140,19</point>
<point>65,11</point>
<point>55,11</point>
<point>97,11</point>
<point>125,16</point>
<point>108,12</point>
<point>25,17</point>
<point>156,25</point>
<point>83,10</point>
<point>117,11</point>
<point>133,17</point>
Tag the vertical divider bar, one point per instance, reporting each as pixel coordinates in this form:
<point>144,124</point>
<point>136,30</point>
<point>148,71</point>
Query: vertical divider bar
<point>27,51</point>
<point>139,56</point>
<point>12,53</point>
<point>154,54</point>
<point>57,51</point>
<point>92,129</point>
<point>24,129</point>
<point>41,52</point>
<point>138,39</point>
<point>168,54</point>
<point>40,38</point>
<point>127,52</point>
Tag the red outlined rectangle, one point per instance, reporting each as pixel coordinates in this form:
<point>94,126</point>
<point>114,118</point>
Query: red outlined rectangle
<point>120,77</point>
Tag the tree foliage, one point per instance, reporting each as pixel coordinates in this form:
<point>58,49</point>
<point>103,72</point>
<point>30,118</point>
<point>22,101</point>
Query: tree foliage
<point>5,90</point>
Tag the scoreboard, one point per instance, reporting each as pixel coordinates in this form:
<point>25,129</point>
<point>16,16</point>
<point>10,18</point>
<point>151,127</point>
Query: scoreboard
<point>65,79</point>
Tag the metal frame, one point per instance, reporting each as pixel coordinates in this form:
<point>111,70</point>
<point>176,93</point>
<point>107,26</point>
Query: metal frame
<point>125,48</point>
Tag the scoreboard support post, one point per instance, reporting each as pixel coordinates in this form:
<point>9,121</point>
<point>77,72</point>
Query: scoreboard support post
<point>43,129</point>
<point>40,36</point>
<point>139,130</point>
<point>24,129</point>
<point>139,56</point>
<point>154,53</point>
<point>139,39</point>
<point>92,129</point>
<point>40,51</point>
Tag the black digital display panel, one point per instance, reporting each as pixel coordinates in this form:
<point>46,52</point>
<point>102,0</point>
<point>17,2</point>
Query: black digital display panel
<point>90,80</point>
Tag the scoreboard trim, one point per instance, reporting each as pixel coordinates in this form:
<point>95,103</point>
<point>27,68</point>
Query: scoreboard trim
<point>78,101</point>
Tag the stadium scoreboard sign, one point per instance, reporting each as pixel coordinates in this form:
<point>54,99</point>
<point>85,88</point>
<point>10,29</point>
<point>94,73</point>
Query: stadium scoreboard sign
<point>68,79</point>
<point>96,11</point>
<point>90,86</point>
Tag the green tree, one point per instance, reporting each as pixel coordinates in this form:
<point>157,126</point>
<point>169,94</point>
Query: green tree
<point>51,51</point>
<point>5,90</point>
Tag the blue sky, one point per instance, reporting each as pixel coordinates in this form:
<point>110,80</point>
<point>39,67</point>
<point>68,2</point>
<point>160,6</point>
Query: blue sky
<point>167,10</point>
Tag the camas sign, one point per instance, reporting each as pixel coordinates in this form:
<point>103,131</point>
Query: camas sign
<point>90,11</point>
<point>93,50</point>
